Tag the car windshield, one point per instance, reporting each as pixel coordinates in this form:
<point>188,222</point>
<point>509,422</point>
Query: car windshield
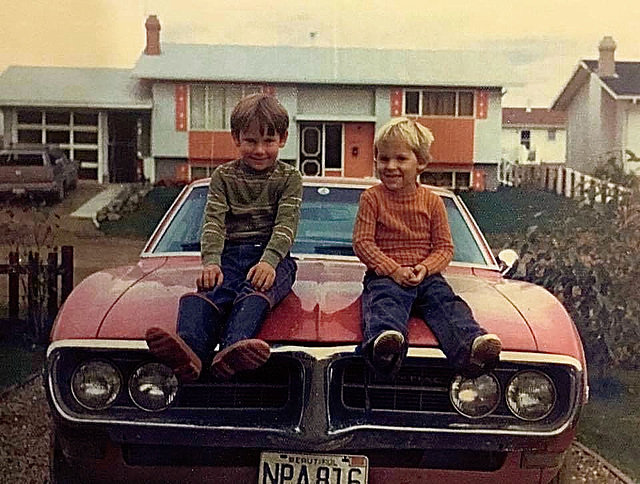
<point>326,225</point>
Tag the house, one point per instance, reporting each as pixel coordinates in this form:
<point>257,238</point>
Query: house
<point>336,97</point>
<point>179,97</point>
<point>533,135</point>
<point>97,116</point>
<point>603,111</point>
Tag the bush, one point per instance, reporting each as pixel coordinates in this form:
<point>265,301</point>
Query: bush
<point>590,261</point>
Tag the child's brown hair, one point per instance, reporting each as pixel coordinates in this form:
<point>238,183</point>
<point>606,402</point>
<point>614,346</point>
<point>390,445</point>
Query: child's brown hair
<point>271,116</point>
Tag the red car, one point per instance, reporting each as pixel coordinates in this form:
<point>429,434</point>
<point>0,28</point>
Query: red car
<point>313,413</point>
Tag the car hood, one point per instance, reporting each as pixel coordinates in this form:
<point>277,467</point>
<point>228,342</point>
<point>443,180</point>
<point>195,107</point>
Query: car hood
<point>323,308</point>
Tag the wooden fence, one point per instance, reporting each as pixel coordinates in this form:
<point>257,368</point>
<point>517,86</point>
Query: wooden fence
<point>44,284</point>
<point>564,181</point>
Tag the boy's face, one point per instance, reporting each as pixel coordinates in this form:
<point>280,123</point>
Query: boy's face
<point>259,149</point>
<point>398,166</point>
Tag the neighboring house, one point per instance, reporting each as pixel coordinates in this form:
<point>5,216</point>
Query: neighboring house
<point>533,135</point>
<point>336,98</point>
<point>602,101</point>
<point>97,116</point>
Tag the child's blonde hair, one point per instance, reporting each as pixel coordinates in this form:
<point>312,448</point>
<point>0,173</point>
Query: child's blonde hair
<point>417,136</point>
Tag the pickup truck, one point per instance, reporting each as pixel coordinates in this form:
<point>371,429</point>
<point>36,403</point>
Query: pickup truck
<point>42,170</point>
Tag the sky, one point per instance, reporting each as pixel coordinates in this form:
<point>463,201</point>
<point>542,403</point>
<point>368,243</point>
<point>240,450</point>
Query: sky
<point>544,40</point>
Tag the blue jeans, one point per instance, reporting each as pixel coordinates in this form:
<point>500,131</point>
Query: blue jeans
<point>387,306</point>
<point>234,310</point>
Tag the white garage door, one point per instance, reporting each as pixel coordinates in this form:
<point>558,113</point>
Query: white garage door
<point>77,133</point>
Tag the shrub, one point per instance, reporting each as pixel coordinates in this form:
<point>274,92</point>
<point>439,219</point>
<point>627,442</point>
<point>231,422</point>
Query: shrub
<point>589,259</point>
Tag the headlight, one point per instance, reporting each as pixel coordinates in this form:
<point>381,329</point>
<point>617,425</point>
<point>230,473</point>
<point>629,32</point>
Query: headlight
<point>95,384</point>
<point>153,386</point>
<point>475,397</point>
<point>531,395</point>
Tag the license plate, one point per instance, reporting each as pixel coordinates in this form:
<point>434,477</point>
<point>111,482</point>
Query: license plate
<point>285,467</point>
<point>19,191</point>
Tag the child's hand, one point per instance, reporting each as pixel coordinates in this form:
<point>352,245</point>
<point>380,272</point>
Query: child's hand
<point>402,276</point>
<point>419,273</point>
<point>210,277</point>
<point>261,276</point>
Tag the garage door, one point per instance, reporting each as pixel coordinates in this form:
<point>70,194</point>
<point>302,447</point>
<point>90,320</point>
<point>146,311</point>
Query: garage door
<point>76,133</point>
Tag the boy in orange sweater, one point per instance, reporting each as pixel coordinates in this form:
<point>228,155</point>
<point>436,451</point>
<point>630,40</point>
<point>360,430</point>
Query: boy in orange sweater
<point>403,237</point>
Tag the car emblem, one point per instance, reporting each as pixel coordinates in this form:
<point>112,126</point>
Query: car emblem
<point>18,172</point>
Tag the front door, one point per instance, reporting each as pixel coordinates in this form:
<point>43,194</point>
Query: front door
<point>321,152</point>
<point>123,154</point>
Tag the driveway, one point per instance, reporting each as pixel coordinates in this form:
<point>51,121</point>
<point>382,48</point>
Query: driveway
<point>93,250</point>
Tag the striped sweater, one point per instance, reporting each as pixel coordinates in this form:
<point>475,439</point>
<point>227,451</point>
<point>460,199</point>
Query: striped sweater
<point>244,204</point>
<point>394,230</point>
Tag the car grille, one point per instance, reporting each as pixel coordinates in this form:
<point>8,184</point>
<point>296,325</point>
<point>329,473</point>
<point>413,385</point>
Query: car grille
<point>271,396</point>
<point>268,387</point>
<point>340,388</point>
<point>415,388</point>
<point>418,396</point>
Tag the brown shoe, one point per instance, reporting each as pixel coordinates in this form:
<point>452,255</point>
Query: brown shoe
<point>172,350</point>
<point>247,354</point>
<point>485,351</point>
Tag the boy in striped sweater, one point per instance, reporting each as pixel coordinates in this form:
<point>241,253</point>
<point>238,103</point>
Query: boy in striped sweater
<point>250,222</point>
<point>402,235</point>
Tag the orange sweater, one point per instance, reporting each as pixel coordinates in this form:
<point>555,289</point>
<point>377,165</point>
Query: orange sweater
<point>394,230</point>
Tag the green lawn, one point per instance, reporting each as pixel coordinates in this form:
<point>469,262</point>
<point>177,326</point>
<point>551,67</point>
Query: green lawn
<point>610,423</point>
<point>142,222</point>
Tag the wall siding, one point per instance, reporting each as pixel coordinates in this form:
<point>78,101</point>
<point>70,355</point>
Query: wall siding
<point>166,141</point>
<point>487,130</point>
<point>336,101</point>
<point>453,142</point>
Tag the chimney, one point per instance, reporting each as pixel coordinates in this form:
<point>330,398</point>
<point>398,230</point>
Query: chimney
<point>607,62</point>
<point>153,35</point>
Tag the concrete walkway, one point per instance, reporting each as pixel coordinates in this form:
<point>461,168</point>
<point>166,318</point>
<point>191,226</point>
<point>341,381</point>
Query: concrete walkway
<point>102,199</point>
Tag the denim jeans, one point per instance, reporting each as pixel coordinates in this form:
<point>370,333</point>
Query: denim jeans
<point>234,310</point>
<point>387,306</point>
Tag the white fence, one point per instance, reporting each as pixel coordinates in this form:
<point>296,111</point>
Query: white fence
<point>564,181</point>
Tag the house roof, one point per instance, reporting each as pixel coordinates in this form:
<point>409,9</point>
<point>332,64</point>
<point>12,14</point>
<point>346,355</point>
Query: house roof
<point>325,65</point>
<point>97,88</point>
<point>626,84</point>
<point>535,117</point>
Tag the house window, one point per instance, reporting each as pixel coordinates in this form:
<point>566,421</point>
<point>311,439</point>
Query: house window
<point>551,134</point>
<point>210,104</point>
<point>439,102</point>
<point>412,102</point>
<point>320,148</point>
<point>525,138</point>
<point>460,180</point>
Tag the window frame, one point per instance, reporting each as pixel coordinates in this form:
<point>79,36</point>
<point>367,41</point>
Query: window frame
<point>421,104</point>
<point>230,97</point>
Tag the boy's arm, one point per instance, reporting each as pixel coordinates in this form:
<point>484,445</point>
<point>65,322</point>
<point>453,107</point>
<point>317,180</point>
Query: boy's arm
<point>286,222</point>
<point>441,241</point>
<point>364,244</point>
<point>213,226</point>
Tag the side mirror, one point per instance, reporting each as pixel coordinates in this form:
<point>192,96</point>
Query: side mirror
<point>508,260</point>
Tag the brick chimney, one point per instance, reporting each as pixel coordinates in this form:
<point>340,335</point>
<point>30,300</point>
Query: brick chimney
<point>153,35</point>
<point>607,62</point>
